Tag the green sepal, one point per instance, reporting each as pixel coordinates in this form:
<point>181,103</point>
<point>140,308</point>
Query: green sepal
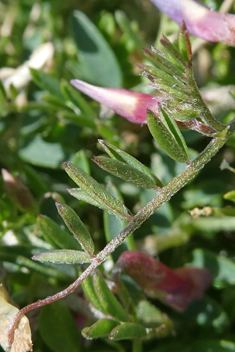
<point>108,300</point>
<point>53,233</point>
<point>101,328</point>
<point>95,190</point>
<point>118,154</point>
<point>90,292</point>
<point>124,171</point>
<point>158,76</point>
<point>184,44</point>
<point>76,226</point>
<point>63,256</point>
<point>159,59</point>
<point>127,331</point>
<point>167,134</point>
<point>173,53</point>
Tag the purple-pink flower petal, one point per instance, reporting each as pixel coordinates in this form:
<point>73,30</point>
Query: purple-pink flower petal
<point>129,104</point>
<point>200,20</point>
<point>176,288</point>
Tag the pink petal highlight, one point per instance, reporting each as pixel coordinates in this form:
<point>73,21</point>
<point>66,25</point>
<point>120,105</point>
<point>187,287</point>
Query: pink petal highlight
<point>176,288</point>
<point>200,20</point>
<point>129,104</point>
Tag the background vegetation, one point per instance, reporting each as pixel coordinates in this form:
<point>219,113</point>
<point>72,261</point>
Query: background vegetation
<point>45,121</point>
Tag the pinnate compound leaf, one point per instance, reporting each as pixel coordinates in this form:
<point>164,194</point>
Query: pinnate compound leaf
<point>58,328</point>
<point>166,133</point>
<point>63,256</point>
<point>118,154</point>
<point>101,328</point>
<point>76,226</point>
<point>127,331</point>
<point>96,191</point>
<point>107,299</point>
<point>57,237</point>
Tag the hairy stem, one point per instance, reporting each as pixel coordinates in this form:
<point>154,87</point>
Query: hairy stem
<point>166,193</point>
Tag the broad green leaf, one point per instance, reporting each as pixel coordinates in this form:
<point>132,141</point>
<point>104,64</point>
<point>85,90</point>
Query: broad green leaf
<point>118,154</point>
<point>168,136</point>
<point>222,269</point>
<point>76,226</point>
<point>101,328</point>
<point>38,152</point>
<point>98,63</point>
<point>58,328</point>
<point>63,256</point>
<point>124,171</point>
<point>55,235</point>
<point>127,331</point>
<point>46,82</point>
<point>95,190</point>
<point>108,300</point>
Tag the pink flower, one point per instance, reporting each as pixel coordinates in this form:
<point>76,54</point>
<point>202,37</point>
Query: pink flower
<point>200,20</point>
<point>176,288</point>
<point>129,104</point>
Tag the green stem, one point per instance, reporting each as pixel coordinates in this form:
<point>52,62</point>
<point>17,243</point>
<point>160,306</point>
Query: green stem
<point>166,193</point>
<point>136,345</point>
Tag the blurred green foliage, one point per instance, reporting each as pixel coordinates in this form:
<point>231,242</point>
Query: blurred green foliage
<point>44,121</point>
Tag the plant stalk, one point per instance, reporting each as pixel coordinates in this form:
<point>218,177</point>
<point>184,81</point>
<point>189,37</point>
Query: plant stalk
<point>166,193</point>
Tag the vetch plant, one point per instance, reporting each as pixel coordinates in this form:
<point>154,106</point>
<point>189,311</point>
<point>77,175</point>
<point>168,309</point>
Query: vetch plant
<point>179,106</point>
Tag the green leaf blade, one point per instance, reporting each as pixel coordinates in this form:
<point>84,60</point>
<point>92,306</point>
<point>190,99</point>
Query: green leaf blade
<point>166,140</point>
<point>55,235</point>
<point>124,171</point>
<point>95,190</point>
<point>127,331</point>
<point>76,226</point>
<point>98,63</point>
<point>101,328</point>
<point>61,256</point>
<point>108,300</point>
